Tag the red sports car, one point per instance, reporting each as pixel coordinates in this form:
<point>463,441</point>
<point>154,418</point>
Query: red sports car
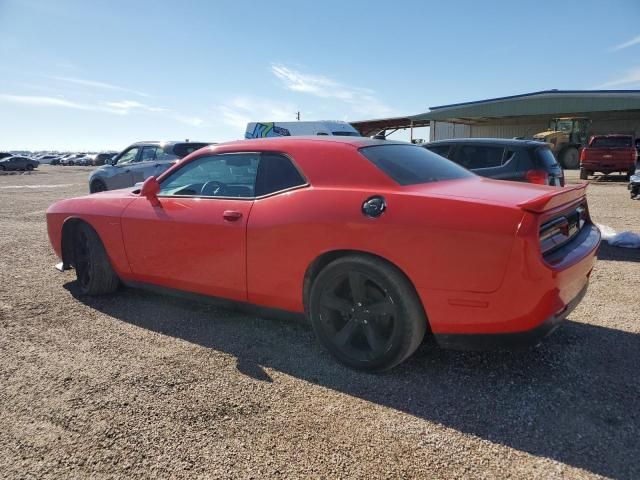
<point>377,242</point>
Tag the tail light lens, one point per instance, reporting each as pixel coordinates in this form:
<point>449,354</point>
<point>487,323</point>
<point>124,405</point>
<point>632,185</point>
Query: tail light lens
<point>583,154</point>
<point>539,177</point>
<point>563,228</point>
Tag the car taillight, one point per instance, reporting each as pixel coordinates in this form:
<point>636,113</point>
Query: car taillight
<point>560,230</point>
<point>539,177</point>
<point>583,154</point>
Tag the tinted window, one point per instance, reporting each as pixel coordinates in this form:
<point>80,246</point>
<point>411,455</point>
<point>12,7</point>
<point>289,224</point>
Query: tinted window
<point>409,164</point>
<point>546,157</point>
<point>276,173</point>
<point>346,134</point>
<point>230,175</point>
<point>148,154</point>
<point>442,150</point>
<point>184,149</point>
<point>611,142</point>
<point>478,156</point>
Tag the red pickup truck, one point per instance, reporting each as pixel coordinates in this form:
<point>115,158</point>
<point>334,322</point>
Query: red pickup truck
<point>608,154</point>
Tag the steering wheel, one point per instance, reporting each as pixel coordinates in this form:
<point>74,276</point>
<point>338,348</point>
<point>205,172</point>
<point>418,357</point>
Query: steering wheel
<point>212,188</point>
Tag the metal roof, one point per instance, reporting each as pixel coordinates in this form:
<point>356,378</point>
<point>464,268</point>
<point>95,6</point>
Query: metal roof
<point>372,127</point>
<point>546,102</point>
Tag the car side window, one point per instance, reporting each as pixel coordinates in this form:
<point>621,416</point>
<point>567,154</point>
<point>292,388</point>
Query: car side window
<point>276,173</point>
<point>479,156</point>
<point>225,175</point>
<point>442,150</point>
<point>162,155</point>
<point>128,156</point>
<point>148,154</point>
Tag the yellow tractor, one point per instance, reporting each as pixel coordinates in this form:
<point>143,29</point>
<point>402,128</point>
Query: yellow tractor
<point>566,136</point>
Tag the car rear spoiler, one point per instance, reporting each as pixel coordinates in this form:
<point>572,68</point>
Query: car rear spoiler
<point>551,200</point>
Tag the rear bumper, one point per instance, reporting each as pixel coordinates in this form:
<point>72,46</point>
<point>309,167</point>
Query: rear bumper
<point>536,295</point>
<point>607,167</point>
<point>510,340</point>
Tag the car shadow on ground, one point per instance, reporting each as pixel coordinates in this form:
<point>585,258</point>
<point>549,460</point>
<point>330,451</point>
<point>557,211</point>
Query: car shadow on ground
<point>620,254</point>
<point>572,399</point>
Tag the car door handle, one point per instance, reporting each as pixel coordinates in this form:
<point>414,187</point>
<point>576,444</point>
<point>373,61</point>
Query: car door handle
<point>231,215</point>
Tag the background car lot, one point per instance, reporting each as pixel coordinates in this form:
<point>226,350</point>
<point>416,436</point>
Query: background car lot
<point>138,384</point>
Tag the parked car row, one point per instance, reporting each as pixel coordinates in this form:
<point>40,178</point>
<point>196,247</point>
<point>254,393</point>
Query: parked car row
<point>17,162</point>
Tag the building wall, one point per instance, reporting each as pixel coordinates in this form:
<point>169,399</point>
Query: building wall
<point>444,130</point>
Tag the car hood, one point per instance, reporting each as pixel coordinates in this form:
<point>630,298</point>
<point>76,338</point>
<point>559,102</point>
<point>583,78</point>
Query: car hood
<point>496,192</point>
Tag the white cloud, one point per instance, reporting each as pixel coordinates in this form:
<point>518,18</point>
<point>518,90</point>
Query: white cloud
<point>244,109</point>
<point>361,101</point>
<point>627,44</point>
<point>631,78</point>
<point>95,84</point>
<point>42,101</point>
<point>125,106</point>
<point>189,120</point>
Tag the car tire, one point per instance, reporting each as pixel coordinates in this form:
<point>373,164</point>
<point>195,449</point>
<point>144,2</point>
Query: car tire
<point>570,158</point>
<point>584,174</point>
<point>29,168</point>
<point>70,164</point>
<point>97,186</point>
<point>366,313</point>
<point>2,168</point>
<point>93,268</point>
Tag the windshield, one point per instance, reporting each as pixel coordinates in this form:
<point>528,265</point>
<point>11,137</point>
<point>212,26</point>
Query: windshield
<point>611,142</point>
<point>546,157</point>
<point>410,165</point>
<point>564,125</point>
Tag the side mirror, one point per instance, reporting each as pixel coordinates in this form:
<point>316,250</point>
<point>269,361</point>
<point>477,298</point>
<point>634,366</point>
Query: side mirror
<point>150,189</point>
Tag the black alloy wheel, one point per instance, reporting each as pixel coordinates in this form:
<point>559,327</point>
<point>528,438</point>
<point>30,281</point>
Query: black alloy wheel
<point>91,262</point>
<point>366,313</point>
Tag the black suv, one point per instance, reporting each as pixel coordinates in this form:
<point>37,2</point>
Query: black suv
<point>503,159</point>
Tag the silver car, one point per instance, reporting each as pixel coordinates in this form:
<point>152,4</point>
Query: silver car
<point>138,162</point>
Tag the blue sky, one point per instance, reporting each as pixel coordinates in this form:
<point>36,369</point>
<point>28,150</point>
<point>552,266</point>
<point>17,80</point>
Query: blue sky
<point>103,74</point>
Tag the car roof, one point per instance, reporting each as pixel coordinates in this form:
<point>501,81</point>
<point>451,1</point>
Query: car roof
<point>511,142</point>
<point>614,135</point>
<point>167,143</point>
<point>282,142</point>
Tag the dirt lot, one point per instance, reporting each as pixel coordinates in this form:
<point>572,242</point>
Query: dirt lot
<point>140,385</point>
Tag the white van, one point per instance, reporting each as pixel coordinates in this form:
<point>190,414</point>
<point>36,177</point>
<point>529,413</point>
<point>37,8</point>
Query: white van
<point>285,129</point>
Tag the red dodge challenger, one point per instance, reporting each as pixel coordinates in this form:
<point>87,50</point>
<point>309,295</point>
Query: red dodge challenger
<point>377,242</point>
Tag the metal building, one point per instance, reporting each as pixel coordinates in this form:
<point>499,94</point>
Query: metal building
<point>611,111</point>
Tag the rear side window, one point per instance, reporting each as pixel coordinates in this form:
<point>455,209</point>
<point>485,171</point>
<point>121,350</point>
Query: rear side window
<point>546,158</point>
<point>442,150</point>
<point>344,133</point>
<point>410,165</point>
<point>184,149</point>
<point>611,142</point>
<point>478,156</point>
<point>276,173</point>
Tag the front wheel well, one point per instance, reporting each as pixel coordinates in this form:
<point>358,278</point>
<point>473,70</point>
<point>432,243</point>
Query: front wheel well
<point>68,235</point>
<point>326,258</point>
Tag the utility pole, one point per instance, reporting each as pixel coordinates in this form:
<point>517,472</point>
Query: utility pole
<point>298,115</point>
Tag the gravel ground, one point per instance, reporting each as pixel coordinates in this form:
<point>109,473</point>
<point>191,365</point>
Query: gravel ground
<point>140,385</point>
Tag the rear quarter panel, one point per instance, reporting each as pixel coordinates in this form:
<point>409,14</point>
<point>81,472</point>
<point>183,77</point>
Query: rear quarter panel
<point>439,243</point>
